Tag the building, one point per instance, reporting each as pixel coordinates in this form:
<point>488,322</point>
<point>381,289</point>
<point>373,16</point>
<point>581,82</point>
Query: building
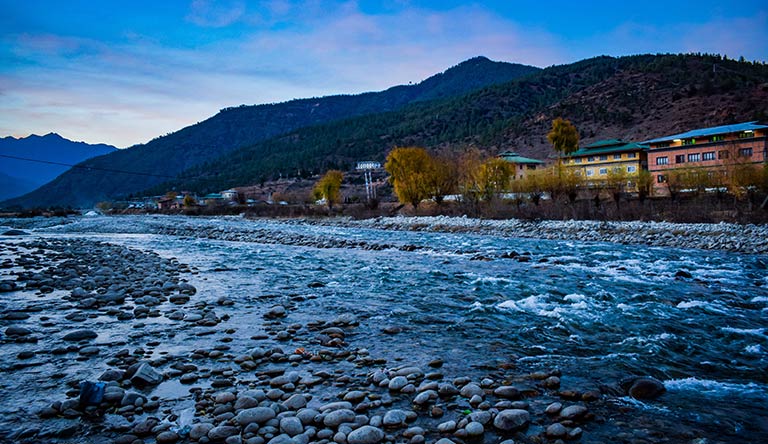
<point>713,151</point>
<point>230,195</point>
<point>596,160</point>
<point>368,165</point>
<point>522,164</point>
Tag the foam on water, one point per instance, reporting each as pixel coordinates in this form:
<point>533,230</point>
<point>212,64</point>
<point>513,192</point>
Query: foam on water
<point>718,389</point>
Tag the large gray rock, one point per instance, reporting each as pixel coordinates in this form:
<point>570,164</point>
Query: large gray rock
<point>336,417</point>
<point>573,412</point>
<point>80,335</point>
<point>221,433</point>
<point>258,415</point>
<point>647,388</point>
<point>397,383</point>
<point>199,430</point>
<point>146,375</point>
<point>365,435</point>
<point>295,402</point>
<point>291,426</point>
<point>507,392</point>
<point>471,390</point>
<point>511,419</point>
<point>394,418</point>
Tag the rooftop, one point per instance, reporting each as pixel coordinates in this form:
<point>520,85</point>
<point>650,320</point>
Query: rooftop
<point>511,157</point>
<point>703,132</point>
<point>608,146</point>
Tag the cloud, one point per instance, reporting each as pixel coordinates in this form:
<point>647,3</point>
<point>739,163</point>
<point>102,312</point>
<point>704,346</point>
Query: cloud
<point>140,87</point>
<point>215,14</point>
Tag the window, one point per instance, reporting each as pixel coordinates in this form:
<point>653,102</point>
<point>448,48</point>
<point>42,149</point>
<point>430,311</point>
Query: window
<point>689,141</point>
<point>590,172</point>
<point>745,152</point>
<point>694,157</point>
<point>603,171</point>
<point>663,144</point>
<point>723,154</point>
<point>663,160</point>
<point>716,138</point>
<point>708,156</point>
<point>631,169</point>
<point>616,156</point>
<point>746,134</point>
<point>660,178</point>
<point>680,158</point>
<point>591,159</point>
<point>577,160</point>
<point>603,157</point>
<point>631,155</point>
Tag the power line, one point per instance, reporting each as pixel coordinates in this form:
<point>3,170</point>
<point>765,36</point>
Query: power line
<point>89,168</point>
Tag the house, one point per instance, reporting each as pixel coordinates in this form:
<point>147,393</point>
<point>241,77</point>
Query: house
<point>230,195</point>
<point>596,160</point>
<point>166,203</point>
<point>522,164</point>
<point>712,151</point>
<point>213,199</point>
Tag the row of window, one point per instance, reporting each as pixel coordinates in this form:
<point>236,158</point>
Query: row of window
<point>712,139</point>
<point>604,171</point>
<point>604,157</point>
<point>698,157</point>
<point>661,178</point>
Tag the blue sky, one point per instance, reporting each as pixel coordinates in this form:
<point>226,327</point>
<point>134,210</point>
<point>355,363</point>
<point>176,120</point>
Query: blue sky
<point>126,72</point>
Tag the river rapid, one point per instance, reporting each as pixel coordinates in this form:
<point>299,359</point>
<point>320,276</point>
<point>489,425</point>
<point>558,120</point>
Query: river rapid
<point>487,307</point>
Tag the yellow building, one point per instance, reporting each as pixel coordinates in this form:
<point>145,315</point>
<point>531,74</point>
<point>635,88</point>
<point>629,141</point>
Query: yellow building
<point>594,161</point>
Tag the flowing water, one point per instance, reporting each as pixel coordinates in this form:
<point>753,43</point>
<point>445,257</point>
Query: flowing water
<point>597,311</point>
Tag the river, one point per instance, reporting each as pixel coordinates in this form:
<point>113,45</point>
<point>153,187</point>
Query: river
<point>599,312</point>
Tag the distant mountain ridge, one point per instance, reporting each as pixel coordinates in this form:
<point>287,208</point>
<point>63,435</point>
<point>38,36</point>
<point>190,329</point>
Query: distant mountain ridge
<point>240,126</point>
<point>634,97</point>
<point>21,176</point>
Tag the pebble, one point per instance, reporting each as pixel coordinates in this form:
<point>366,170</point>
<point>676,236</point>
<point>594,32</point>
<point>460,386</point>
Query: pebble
<point>365,435</point>
<point>511,419</point>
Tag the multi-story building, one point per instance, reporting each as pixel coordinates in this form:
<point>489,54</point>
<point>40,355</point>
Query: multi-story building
<point>522,164</point>
<point>713,151</point>
<point>594,161</point>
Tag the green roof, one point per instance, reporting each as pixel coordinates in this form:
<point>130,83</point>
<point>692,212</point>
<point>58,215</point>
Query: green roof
<point>213,196</point>
<point>608,146</point>
<point>511,157</point>
<point>605,143</point>
<point>715,130</point>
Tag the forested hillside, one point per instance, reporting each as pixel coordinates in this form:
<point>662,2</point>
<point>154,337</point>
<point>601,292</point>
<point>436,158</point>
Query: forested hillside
<point>637,98</point>
<point>163,158</point>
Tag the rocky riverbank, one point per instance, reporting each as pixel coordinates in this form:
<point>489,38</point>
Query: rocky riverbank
<point>749,239</point>
<point>752,239</point>
<point>166,363</point>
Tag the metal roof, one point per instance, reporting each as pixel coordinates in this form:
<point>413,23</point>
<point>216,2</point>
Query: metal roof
<point>511,157</point>
<point>605,143</point>
<point>703,132</point>
<point>603,148</point>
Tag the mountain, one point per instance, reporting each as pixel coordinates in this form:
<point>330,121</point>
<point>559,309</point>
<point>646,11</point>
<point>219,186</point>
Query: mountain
<point>21,176</point>
<point>635,97</point>
<point>232,128</point>
<point>13,186</point>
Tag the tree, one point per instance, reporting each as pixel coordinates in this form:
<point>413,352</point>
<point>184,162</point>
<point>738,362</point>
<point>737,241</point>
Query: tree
<point>616,182</point>
<point>189,201</point>
<point>563,137</point>
<point>644,183</point>
<point>494,177</point>
<point>329,187</point>
<point>407,168</point>
<point>441,177</point>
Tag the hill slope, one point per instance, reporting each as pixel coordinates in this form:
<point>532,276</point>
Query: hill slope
<point>635,97</point>
<point>22,176</point>
<point>232,128</point>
